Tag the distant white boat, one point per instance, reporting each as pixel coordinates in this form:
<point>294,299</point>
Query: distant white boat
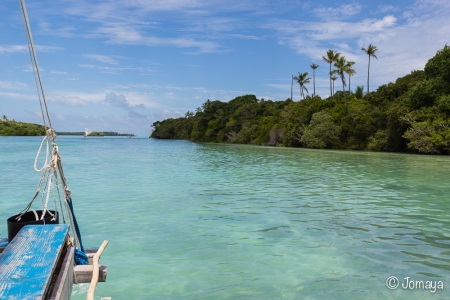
<point>87,132</point>
<point>129,135</point>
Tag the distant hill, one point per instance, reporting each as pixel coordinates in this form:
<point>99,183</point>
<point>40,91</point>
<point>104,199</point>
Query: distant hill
<point>96,133</point>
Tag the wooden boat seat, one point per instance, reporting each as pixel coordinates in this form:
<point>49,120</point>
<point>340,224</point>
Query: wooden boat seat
<point>30,262</point>
<point>83,274</point>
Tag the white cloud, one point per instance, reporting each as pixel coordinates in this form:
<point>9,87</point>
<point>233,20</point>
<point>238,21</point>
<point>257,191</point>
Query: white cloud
<point>24,48</point>
<point>13,85</point>
<point>58,72</point>
<point>130,100</point>
<point>313,38</point>
<point>119,34</point>
<point>60,117</point>
<point>387,8</point>
<point>338,12</point>
<point>246,37</point>
<point>127,22</point>
<point>73,101</point>
<point>18,96</point>
<point>117,100</point>
<point>215,25</point>
<point>161,5</point>
<point>12,48</point>
<point>141,99</point>
<point>326,31</point>
<point>166,114</point>
<point>114,70</point>
<point>67,31</point>
<point>75,98</point>
<point>101,58</point>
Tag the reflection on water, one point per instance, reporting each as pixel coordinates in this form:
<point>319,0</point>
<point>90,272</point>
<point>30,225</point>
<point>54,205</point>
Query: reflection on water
<point>208,221</point>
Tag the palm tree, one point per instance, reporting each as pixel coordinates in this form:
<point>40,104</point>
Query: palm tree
<point>370,51</point>
<point>314,67</point>
<point>333,78</point>
<point>350,72</point>
<point>302,80</point>
<point>331,57</point>
<point>359,92</point>
<point>341,66</point>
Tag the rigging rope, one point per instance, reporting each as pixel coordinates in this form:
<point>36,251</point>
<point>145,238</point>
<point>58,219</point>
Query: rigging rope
<point>35,79</point>
<point>34,61</point>
<point>52,164</point>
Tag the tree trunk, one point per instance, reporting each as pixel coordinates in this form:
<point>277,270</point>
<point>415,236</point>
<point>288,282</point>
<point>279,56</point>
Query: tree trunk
<point>331,91</point>
<point>332,94</point>
<point>314,76</point>
<point>368,68</point>
<point>349,84</point>
<point>292,84</point>
<point>343,90</point>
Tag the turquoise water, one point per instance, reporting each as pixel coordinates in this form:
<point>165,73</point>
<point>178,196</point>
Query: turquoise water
<point>209,221</point>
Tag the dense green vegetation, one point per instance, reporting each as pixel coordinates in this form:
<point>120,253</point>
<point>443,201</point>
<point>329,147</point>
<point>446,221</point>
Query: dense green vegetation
<point>410,114</point>
<point>8,127</point>
<point>96,133</point>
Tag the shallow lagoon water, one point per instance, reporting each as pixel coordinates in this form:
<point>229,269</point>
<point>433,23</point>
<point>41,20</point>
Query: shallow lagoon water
<point>214,221</point>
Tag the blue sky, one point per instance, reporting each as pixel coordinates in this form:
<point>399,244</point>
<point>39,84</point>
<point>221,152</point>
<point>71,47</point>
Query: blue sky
<point>120,65</point>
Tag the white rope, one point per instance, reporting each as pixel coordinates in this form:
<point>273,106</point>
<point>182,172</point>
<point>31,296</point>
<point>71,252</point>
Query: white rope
<point>49,176</point>
<point>35,215</point>
<point>47,152</point>
<point>43,170</point>
<point>47,192</point>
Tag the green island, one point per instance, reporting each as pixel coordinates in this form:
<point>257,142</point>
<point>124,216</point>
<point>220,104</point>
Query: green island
<point>96,133</point>
<point>411,114</point>
<point>14,128</point>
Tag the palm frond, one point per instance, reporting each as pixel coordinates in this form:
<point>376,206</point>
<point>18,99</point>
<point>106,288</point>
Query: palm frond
<point>314,66</point>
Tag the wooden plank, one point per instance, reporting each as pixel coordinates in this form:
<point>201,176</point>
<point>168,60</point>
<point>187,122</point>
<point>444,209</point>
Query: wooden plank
<point>91,250</point>
<point>90,258</point>
<point>83,273</point>
<point>29,260</point>
<point>63,285</point>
